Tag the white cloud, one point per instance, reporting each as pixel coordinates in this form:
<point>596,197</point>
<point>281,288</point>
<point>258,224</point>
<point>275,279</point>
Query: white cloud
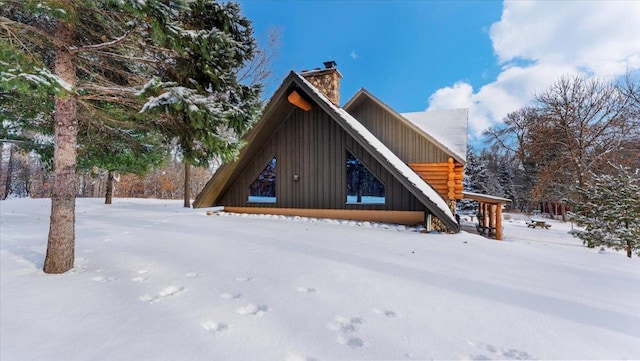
<point>596,38</point>
<point>354,55</point>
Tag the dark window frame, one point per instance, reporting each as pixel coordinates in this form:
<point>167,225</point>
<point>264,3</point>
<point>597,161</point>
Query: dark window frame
<point>373,188</point>
<point>267,191</point>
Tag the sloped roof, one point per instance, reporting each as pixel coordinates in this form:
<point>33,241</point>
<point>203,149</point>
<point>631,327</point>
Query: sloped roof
<point>221,180</point>
<point>447,129</point>
<point>485,198</point>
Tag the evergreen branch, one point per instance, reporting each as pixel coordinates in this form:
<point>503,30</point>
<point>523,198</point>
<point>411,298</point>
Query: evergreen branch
<point>103,90</point>
<point>125,57</point>
<point>109,44</point>
<point>6,23</point>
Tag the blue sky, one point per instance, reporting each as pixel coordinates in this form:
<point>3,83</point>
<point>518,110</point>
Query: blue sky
<point>489,56</point>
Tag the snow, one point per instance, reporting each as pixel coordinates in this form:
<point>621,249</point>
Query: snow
<point>155,281</point>
<point>43,77</point>
<point>449,127</point>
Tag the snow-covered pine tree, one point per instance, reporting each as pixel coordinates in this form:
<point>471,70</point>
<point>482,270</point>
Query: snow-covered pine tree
<point>505,178</point>
<point>200,102</point>
<point>85,53</point>
<point>611,213</point>
<point>475,179</point>
<point>490,158</point>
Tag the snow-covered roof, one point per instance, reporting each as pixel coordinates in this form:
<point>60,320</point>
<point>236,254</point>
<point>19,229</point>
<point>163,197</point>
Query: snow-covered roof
<point>485,198</point>
<point>450,137</point>
<point>449,127</point>
<point>386,154</point>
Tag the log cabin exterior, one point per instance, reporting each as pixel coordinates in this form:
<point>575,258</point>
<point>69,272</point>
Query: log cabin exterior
<point>303,146</point>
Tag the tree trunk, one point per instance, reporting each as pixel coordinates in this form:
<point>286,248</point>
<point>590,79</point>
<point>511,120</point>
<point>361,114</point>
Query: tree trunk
<point>187,184</point>
<point>7,184</point>
<point>27,178</point>
<point>109,194</point>
<point>61,242</point>
<point>563,210</point>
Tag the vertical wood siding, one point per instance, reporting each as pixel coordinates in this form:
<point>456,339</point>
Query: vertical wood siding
<point>312,145</point>
<point>400,138</point>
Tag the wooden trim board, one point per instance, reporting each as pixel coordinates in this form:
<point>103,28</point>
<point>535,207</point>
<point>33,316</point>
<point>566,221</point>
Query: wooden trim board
<point>398,217</point>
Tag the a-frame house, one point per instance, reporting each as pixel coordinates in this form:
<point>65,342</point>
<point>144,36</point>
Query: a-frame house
<point>307,156</point>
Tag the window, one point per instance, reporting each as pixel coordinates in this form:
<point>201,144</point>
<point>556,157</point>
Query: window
<point>362,186</point>
<point>263,189</point>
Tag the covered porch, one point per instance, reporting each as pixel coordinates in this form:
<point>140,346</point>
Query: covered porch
<point>489,213</point>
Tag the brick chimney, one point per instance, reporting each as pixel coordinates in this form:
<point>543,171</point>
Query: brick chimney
<point>326,80</point>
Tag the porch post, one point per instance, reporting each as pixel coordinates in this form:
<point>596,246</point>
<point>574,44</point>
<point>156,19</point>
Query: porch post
<point>492,217</point>
<point>484,215</point>
<point>499,222</point>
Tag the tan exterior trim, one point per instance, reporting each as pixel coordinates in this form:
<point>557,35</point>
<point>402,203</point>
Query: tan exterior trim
<point>398,217</point>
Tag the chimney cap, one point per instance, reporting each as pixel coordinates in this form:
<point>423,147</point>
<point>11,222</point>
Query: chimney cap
<point>330,64</point>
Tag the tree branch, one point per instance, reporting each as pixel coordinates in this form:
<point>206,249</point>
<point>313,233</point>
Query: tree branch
<point>108,44</point>
<point>125,57</point>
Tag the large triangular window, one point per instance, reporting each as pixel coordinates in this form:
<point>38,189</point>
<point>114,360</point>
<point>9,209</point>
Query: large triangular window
<point>263,189</point>
<point>362,186</point>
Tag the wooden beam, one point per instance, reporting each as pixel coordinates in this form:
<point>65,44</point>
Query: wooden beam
<point>295,99</point>
<point>399,217</point>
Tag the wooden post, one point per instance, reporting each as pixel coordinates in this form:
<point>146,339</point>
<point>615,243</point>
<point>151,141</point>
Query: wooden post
<point>427,221</point>
<point>492,217</point>
<point>499,222</point>
<point>484,215</point>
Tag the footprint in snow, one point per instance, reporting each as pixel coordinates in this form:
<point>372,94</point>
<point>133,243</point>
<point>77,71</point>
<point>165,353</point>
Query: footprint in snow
<point>170,291</point>
<point>194,274</point>
<point>140,278</point>
<point>103,279</point>
<point>165,292</point>
<point>387,313</point>
<point>253,309</point>
<point>231,296</point>
<point>306,290</point>
<point>347,328</point>
<point>298,357</point>
<point>498,353</point>
<point>215,327</point>
<point>353,342</point>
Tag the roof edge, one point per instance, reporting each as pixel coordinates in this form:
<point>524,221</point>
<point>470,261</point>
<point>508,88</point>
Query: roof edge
<point>364,92</point>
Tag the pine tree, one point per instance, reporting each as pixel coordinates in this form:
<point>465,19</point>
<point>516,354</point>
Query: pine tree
<point>475,179</point>
<point>611,213</point>
<point>118,150</point>
<point>197,90</point>
<point>86,54</point>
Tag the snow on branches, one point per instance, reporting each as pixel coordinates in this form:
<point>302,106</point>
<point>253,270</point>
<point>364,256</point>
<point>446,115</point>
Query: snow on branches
<point>610,211</point>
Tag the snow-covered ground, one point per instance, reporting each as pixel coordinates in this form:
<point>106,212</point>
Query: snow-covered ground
<point>154,281</point>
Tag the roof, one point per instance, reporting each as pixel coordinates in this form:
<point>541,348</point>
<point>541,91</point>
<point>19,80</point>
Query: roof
<point>449,127</point>
<point>391,162</point>
<point>446,129</point>
<point>485,198</point>
<point>407,177</point>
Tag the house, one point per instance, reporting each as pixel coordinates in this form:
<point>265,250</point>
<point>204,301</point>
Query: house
<point>308,156</point>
